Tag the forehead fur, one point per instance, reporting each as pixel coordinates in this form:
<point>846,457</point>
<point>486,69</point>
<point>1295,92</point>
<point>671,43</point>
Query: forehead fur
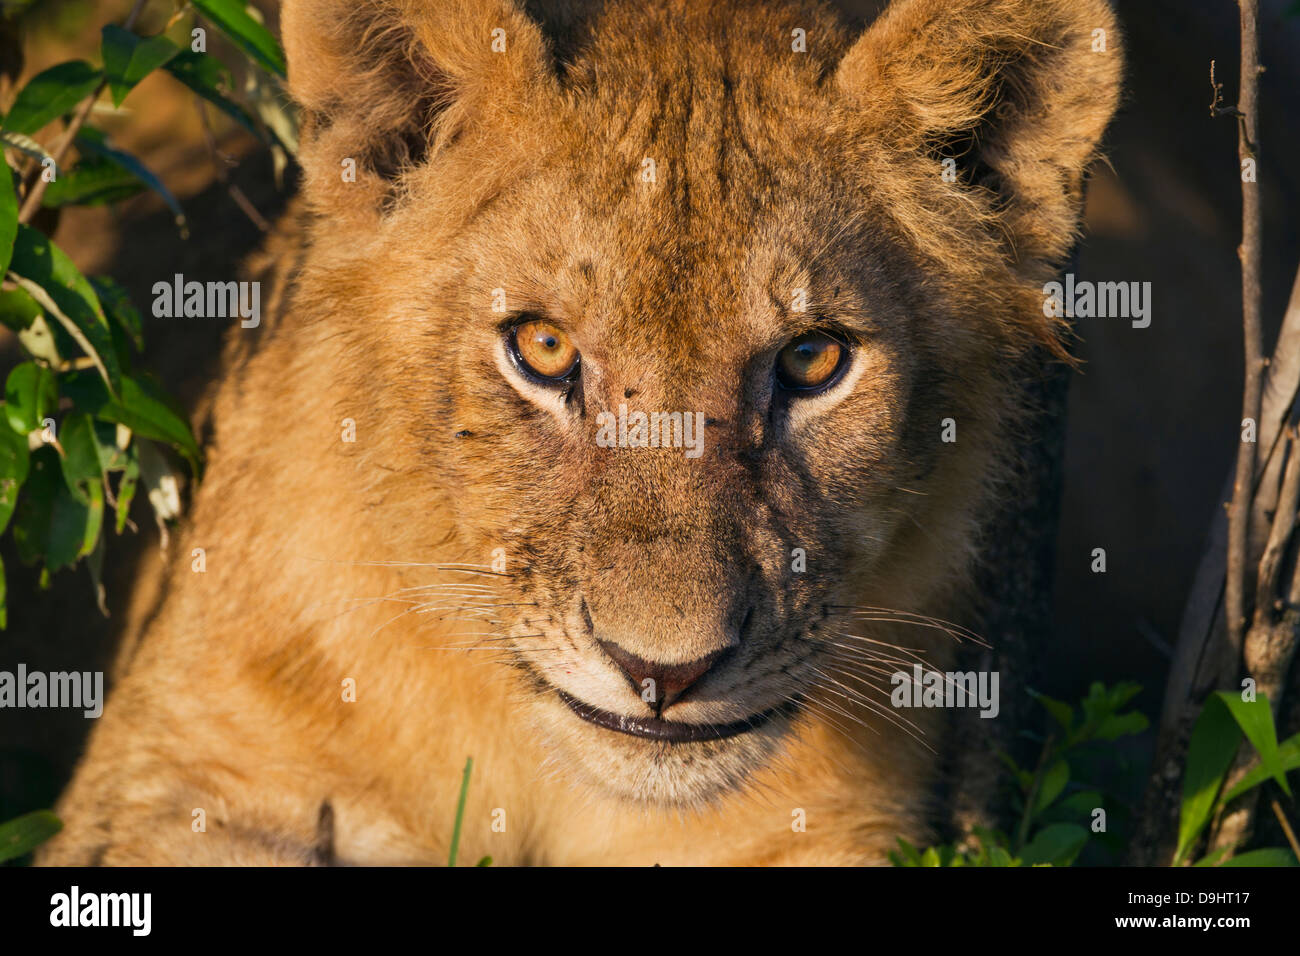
<point>830,154</point>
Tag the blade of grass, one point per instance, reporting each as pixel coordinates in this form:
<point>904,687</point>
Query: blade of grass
<point>460,812</point>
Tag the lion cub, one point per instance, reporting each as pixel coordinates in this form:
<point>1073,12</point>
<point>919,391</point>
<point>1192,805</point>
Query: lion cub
<point>636,391</point>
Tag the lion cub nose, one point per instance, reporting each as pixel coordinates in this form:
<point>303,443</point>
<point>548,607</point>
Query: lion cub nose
<point>666,682</point>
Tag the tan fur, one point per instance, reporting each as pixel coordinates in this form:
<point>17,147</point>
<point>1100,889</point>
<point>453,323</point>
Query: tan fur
<point>521,171</point>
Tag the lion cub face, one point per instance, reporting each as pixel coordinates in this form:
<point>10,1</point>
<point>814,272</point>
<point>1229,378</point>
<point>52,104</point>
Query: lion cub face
<point>686,426</point>
<point>679,322</point>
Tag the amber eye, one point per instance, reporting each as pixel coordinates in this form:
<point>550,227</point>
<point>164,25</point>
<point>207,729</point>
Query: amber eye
<point>544,350</point>
<point>810,362</point>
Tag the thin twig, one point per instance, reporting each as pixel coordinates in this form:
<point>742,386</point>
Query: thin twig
<point>1252,335</point>
<point>1286,828</point>
<point>220,164</point>
<point>1217,109</point>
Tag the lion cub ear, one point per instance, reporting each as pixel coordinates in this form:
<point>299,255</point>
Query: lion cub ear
<point>1013,94</point>
<point>384,83</point>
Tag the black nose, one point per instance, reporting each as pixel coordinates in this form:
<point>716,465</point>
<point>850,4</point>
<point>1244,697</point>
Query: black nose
<point>668,681</point>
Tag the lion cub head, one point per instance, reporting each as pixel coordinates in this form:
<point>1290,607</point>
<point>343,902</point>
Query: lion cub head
<point>702,312</point>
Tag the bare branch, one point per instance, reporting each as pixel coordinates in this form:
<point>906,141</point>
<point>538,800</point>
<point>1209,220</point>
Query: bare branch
<point>1286,828</point>
<point>1249,252</point>
<point>1209,653</point>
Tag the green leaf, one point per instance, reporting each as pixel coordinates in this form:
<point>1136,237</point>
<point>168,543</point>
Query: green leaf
<point>1213,743</point>
<point>486,861</point>
<point>1078,805</point>
<point>117,305</point>
<point>1269,856</point>
<point>31,394</point>
<point>50,94</point>
<point>142,407</point>
<point>129,58</point>
<point>1121,725</point>
<point>95,565</point>
<point>231,18</point>
<point>1101,717</point>
<point>18,309</point>
<point>94,521</point>
<point>93,142</point>
<point>127,488</point>
<point>39,339</point>
<point>8,215</point>
<point>990,837</point>
<point>112,456</point>
<point>1061,712</point>
<point>15,462</point>
<point>1000,857</point>
<point>1212,858</point>
<point>81,458</point>
<point>36,505</point>
<point>907,854</point>
<point>1255,718</point>
<point>1122,693</point>
<point>49,276</point>
<point>208,77</point>
<point>1288,754</point>
<point>50,525</point>
<point>92,182</point>
<point>1056,843</point>
<point>1054,781</point>
<point>23,834</point>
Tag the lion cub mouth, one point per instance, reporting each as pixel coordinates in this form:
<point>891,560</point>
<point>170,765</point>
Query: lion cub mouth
<point>668,731</point>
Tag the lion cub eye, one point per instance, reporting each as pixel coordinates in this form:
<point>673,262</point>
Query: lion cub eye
<point>811,362</point>
<point>544,351</point>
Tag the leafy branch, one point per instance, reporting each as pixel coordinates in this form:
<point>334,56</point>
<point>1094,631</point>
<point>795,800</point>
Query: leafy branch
<point>1058,815</point>
<point>82,426</point>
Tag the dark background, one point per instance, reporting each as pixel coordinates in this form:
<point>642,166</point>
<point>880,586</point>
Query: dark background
<point>1153,415</point>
